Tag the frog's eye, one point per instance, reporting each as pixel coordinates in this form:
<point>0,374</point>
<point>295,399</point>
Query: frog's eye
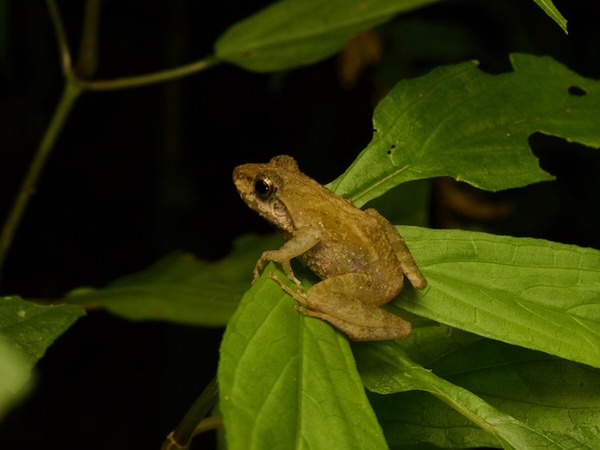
<point>264,188</point>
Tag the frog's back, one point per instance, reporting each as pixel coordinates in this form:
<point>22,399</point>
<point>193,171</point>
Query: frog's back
<point>353,242</point>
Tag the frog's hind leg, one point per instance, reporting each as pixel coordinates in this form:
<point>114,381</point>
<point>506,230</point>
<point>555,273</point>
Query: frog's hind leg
<point>346,302</point>
<point>405,258</point>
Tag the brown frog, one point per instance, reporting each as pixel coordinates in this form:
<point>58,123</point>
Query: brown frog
<point>359,255</point>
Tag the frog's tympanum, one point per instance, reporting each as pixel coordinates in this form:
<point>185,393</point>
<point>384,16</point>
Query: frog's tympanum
<point>359,255</point>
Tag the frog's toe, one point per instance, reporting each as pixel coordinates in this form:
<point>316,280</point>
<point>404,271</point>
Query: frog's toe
<point>303,309</point>
<point>297,295</point>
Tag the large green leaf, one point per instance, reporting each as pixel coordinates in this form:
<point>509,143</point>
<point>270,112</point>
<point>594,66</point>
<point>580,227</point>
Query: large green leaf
<point>529,292</point>
<point>458,121</point>
<point>386,369</point>
<point>180,288</point>
<point>271,346</point>
<point>291,33</point>
<point>287,381</point>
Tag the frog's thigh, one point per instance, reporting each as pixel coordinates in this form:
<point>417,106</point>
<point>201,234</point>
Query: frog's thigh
<point>346,303</point>
<point>405,258</point>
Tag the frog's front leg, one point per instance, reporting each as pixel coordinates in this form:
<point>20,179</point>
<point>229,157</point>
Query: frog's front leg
<point>303,240</point>
<point>346,302</point>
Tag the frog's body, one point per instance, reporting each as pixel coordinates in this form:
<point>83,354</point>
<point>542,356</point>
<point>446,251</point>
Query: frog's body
<point>359,255</point>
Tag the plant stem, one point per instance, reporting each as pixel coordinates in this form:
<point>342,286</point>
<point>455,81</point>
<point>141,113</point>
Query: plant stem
<point>87,57</point>
<point>150,78</point>
<point>181,437</point>
<point>61,39</point>
<point>73,88</point>
<point>70,94</point>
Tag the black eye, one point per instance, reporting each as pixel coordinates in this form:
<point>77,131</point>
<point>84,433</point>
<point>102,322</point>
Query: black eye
<point>264,188</point>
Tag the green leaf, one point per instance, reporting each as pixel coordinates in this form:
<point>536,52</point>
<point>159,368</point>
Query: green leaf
<point>458,121</point>
<point>32,328</point>
<point>291,33</point>
<point>26,331</point>
<point>529,292</point>
<point>553,13</point>
<point>287,381</point>
<point>181,289</point>
<point>414,418</point>
<point>512,379</point>
<point>515,380</point>
<point>386,369</point>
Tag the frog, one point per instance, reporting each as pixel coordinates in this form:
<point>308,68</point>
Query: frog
<point>358,255</point>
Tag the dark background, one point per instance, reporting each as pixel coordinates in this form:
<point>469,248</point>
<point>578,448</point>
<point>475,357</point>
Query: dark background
<point>140,172</point>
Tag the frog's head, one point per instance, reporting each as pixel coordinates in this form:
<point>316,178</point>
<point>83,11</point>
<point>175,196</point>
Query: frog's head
<point>263,188</point>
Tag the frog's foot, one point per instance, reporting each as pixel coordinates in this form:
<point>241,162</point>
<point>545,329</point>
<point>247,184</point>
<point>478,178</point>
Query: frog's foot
<point>286,288</point>
<point>303,309</point>
<point>299,296</point>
